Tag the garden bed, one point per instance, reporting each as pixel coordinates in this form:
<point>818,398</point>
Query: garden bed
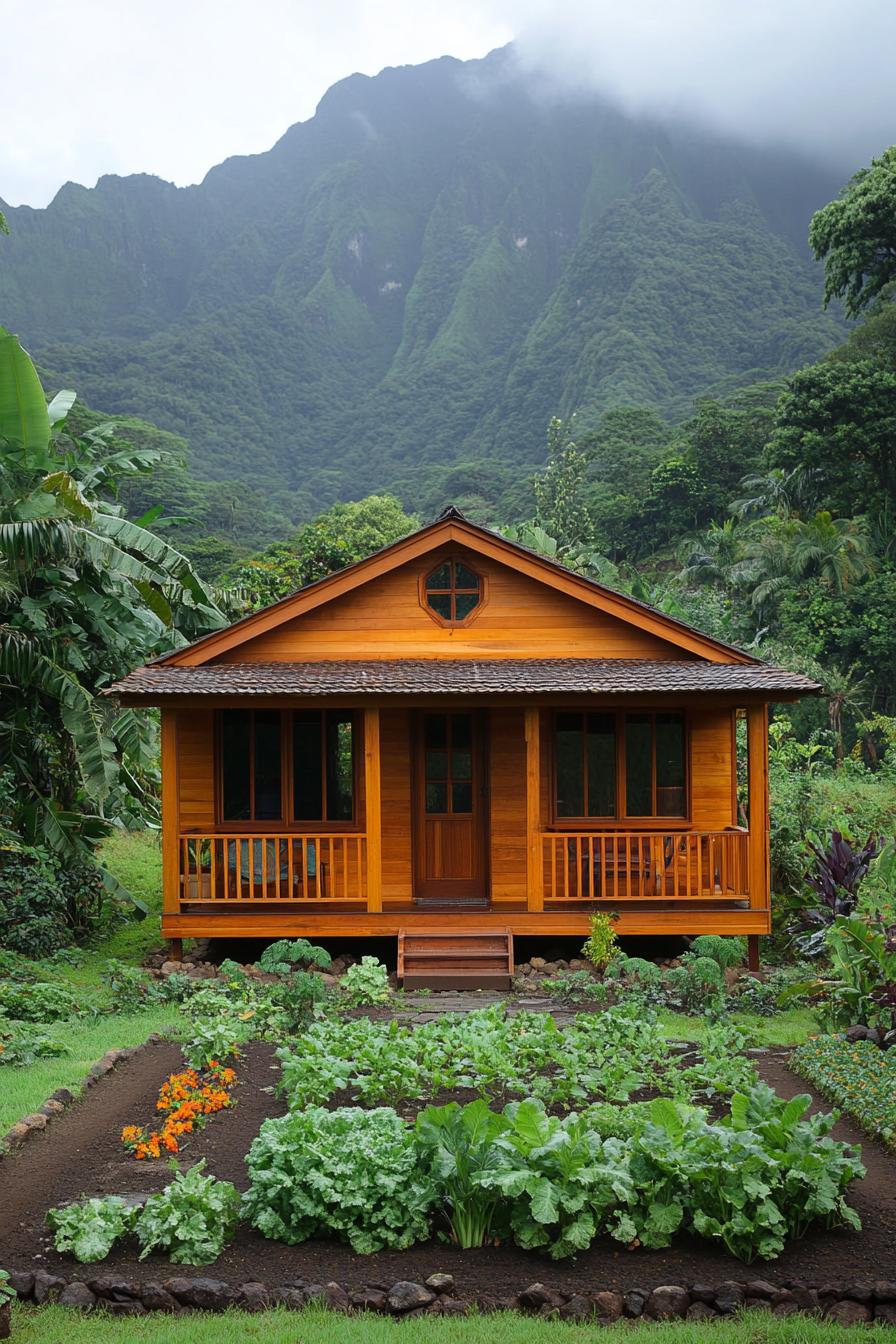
<point>81,1154</point>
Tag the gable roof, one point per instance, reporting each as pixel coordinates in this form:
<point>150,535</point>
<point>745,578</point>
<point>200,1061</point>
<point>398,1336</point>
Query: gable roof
<point>452,526</point>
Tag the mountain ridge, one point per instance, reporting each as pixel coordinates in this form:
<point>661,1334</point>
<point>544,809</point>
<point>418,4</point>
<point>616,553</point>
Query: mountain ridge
<point>419,276</point>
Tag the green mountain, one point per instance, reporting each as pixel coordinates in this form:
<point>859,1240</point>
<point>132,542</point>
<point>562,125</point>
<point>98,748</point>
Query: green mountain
<point>416,279</point>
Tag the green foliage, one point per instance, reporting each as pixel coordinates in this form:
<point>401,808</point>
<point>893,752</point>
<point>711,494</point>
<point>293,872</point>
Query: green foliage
<point>37,1002</point>
<point>341,536</point>
<point>696,983</point>
<point>282,957</point>
<point>215,1039</point>
<point>45,902</point>
<point>353,1174</point>
<point>857,1076</point>
<point>88,1231</point>
<point>863,956</point>
<point>561,1178</point>
<point>192,1219</point>
<point>855,236</point>
<point>600,946</point>
<point>366,982</point>
<point>726,951</point>
<point>21,1045</point>
<point>576,987</point>
<point>7,1293</point>
<point>457,1145</point>
<point>600,1056</point>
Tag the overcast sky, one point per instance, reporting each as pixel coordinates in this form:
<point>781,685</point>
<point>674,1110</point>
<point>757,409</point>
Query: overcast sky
<point>172,87</point>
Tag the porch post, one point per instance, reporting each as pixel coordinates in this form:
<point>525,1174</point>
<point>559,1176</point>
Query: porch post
<point>534,863</point>
<point>373,809</point>
<point>170,816</point>
<point>758,839</point>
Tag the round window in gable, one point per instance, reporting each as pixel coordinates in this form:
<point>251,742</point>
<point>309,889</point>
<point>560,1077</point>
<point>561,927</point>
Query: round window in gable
<point>452,592</point>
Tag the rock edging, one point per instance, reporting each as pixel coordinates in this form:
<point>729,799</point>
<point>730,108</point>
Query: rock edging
<point>57,1102</point>
<point>848,1304</point>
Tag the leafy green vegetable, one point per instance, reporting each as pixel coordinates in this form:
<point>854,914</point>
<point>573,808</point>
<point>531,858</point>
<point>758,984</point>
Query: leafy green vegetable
<point>367,982</point>
<point>90,1230</point>
<point>191,1220</point>
<point>858,1076</point>
<point>349,1173</point>
<point>282,957</point>
<point>459,1143</point>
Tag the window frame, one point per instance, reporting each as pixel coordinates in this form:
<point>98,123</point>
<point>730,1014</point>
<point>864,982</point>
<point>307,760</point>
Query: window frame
<point>622,821</point>
<point>452,558</point>
<point>287,822</point>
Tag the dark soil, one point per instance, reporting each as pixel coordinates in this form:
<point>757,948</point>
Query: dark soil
<point>80,1154</point>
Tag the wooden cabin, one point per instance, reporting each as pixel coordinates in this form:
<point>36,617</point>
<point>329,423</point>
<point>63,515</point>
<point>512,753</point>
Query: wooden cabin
<point>456,740</point>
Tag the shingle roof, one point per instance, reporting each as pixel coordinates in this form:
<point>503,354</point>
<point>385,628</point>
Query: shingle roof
<point>512,676</point>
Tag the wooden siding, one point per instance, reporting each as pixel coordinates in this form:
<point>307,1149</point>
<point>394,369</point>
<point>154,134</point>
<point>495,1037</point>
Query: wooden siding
<point>507,795</point>
<point>195,767</point>
<point>712,766</point>
<point>520,618</point>
<point>395,764</point>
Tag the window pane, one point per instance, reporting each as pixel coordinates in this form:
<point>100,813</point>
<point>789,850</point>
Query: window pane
<point>461,731</point>
<point>461,797</point>
<point>441,604</point>
<point>570,780</point>
<point>340,767</point>
<point>440,578</point>
<point>235,764</point>
<point>670,773</point>
<point>437,765</point>
<point>308,802</point>
<point>461,765</point>
<point>435,731</point>
<point>465,578</point>
<point>600,750</point>
<point>638,765</point>
<point>464,603</point>
<point>267,765</point>
<point>437,797</point>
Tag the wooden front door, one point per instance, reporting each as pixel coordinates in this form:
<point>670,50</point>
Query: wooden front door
<point>451,809</point>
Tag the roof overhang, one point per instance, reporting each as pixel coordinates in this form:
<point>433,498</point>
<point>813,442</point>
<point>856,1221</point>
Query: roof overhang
<point>462,678</point>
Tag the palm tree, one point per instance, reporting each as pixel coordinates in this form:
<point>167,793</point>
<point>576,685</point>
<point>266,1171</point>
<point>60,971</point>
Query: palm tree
<point>779,492</point>
<point>846,693</point>
<point>836,549</point>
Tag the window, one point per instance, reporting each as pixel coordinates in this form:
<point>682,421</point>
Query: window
<point>448,764</point>
<point>452,592</point>
<point>287,765</point>
<point>617,766</point>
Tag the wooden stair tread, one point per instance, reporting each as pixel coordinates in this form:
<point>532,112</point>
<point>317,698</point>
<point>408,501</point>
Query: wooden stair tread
<point>442,959</point>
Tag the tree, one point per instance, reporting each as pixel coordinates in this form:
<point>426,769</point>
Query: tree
<point>839,419</point>
<point>85,594</point>
<point>834,549</point>
<point>855,236</point>
<point>341,536</point>
<point>561,509</point>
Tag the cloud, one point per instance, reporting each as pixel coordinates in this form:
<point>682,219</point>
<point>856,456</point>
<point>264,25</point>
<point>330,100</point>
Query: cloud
<point>814,74</point>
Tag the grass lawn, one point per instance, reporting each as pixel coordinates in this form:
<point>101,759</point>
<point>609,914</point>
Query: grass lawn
<point>48,1325</point>
<point>786,1028</point>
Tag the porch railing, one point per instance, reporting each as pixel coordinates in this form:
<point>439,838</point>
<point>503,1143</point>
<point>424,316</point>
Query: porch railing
<point>327,867</point>
<point>645,865</point>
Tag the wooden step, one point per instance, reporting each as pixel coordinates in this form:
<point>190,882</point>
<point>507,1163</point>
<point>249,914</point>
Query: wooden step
<point>439,960</point>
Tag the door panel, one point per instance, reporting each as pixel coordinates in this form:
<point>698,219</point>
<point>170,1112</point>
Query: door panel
<point>451,808</point>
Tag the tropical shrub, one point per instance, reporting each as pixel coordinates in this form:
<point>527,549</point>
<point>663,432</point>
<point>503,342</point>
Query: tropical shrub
<point>600,946</point>
<point>726,951</point>
<point>838,871</point>
<point>350,1173</point>
<point>863,956</point>
<point>365,983</point>
<point>192,1219</point>
<point>855,1075</point>
<point>282,957</point>
<point>88,1231</point>
<point>44,903</point>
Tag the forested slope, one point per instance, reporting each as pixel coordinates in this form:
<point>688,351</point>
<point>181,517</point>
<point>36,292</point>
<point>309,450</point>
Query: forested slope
<point>418,278</point>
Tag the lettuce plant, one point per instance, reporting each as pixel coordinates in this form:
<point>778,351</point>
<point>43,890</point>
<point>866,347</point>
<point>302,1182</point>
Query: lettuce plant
<point>350,1173</point>
<point>367,982</point>
<point>89,1230</point>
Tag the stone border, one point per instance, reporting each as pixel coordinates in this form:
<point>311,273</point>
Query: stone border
<point>38,1120</point>
<point>854,1304</point>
